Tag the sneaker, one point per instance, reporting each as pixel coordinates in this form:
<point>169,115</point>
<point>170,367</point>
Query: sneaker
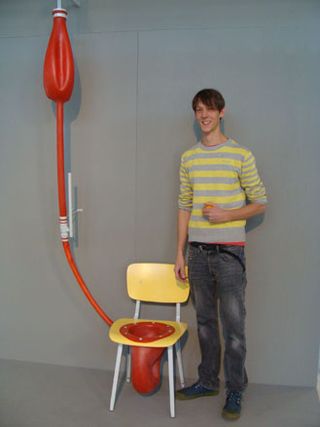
<point>194,391</point>
<point>232,408</point>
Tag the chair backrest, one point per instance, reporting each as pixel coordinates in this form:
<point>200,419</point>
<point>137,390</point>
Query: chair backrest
<point>155,283</point>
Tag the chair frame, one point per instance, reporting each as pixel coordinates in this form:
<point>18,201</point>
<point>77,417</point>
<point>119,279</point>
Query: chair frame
<point>170,363</point>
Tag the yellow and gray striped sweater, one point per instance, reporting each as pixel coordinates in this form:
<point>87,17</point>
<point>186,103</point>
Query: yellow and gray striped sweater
<point>224,174</point>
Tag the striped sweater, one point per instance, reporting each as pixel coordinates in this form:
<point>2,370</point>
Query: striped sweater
<point>224,174</point>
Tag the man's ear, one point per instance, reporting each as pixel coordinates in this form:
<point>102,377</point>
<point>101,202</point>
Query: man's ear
<point>222,113</point>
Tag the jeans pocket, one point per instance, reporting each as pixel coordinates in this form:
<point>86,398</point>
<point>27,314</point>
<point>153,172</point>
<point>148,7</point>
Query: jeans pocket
<point>237,252</point>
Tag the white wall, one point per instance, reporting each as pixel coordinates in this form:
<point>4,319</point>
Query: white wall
<point>138,66</point>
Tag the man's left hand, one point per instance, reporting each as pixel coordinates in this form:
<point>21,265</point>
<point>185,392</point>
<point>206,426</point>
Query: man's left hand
<point>214,214</point>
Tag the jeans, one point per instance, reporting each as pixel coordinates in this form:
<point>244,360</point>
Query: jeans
<point>218,273</point>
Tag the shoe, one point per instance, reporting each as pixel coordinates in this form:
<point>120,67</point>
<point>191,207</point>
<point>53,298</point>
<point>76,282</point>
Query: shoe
<point>194,391</point>
<point>232,408</point>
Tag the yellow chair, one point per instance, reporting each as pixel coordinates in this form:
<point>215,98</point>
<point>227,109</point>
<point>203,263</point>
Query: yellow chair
<point>151,283</point>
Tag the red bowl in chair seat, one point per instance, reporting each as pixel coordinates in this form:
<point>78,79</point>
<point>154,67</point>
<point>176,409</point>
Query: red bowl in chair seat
<point>146,331</point>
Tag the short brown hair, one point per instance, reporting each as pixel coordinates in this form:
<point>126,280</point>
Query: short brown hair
<point>209,97</point>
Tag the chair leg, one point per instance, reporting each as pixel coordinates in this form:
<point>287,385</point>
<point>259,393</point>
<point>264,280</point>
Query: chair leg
<point>180,366</point>
<point>171,382</point>
<point>128,371</point>
<point>116,377</point>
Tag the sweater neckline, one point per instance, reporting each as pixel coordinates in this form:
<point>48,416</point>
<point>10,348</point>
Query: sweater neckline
<point>214,147</point>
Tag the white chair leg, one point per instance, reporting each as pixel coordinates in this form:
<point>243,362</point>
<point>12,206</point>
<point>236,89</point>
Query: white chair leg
<point>179,360</point>
<point>171,382</point>
<point>116,377</point>
<point>128,372</point>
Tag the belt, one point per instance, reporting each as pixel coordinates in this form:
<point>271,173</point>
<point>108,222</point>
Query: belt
<point>206,246</point>
<point>219,248</point>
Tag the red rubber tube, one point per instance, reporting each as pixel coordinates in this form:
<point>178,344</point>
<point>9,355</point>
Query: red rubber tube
<point>63,213</point>
<point>85,290</point>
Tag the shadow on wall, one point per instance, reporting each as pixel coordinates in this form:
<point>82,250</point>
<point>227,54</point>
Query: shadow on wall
<point>318,378</point>
<point>254,222</point>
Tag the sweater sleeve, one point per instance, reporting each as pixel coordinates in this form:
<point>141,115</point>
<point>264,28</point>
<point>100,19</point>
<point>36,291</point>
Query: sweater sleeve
<point>251,182</point>
<point>186,192</point>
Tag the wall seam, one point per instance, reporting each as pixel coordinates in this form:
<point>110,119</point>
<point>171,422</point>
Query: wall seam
<point>164,29</point>
<point>136,157</point>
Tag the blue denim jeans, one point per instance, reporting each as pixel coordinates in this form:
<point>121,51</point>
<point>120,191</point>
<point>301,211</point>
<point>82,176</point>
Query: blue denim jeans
<point>217,276</point>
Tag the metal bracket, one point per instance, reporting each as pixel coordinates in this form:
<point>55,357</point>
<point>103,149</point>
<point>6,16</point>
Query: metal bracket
<point>71,212</point>
<point>75,2</point>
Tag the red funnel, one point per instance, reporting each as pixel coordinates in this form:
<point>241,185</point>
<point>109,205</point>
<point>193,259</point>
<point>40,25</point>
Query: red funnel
<point>146,360</point>
<point>146,331</point>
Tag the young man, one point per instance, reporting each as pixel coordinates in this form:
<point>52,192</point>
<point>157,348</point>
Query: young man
<point>219,189</point>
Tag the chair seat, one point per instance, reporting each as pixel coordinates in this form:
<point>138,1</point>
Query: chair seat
<point>116,336</point>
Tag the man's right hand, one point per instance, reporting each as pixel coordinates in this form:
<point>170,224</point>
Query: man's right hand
<point>180,268</point>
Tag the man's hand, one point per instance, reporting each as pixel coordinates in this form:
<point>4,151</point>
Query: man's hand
<point>180,268</point>
<point>214,214</point>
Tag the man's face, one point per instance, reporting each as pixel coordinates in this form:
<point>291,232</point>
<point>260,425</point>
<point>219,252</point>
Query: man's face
<point>208,117</point>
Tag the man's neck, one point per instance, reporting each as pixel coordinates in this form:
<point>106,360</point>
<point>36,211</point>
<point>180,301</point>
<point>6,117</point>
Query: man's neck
<point>213,138</point>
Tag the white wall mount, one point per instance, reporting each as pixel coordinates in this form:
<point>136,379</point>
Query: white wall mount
<point>75,2</point>
<point>71,211</point>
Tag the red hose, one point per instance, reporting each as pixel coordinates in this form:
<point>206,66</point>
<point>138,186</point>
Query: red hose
<point>83,286</point>
<point>60,158</point>
<point>63,213</point>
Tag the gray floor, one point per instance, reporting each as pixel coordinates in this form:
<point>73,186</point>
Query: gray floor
<point>41,395</point>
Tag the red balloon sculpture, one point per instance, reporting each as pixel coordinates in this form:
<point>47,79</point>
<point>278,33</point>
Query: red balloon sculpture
<point>58,78</point>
